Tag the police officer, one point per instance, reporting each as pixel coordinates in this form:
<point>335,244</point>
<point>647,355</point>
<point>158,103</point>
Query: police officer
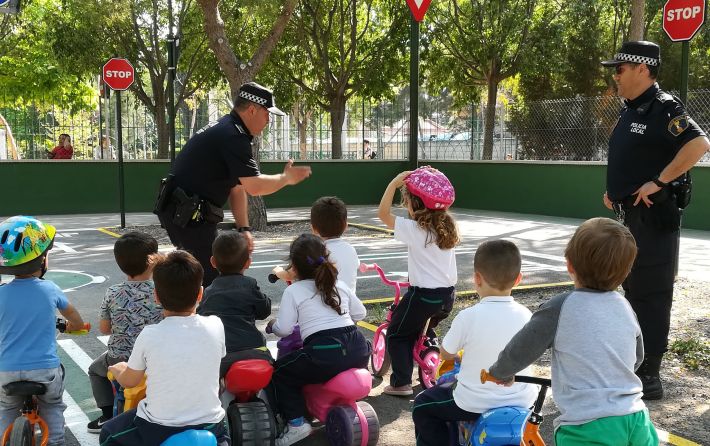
<point>217,165</point>
<point>651,149</point>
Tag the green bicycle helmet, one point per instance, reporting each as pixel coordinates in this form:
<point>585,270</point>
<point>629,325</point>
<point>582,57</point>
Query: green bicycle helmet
<point>24,242</point>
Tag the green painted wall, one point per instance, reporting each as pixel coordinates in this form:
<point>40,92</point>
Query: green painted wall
<point>566,190</point>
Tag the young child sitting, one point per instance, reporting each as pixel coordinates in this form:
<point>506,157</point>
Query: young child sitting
<point>431,236</point>
<point>329,220</point>
<point>481,331</point>
<point>125,310</point>
<point>596,344</point>
<point>28,306</point>
<point>237,300</point>
<point>326,311</point>
<point>181,356</point>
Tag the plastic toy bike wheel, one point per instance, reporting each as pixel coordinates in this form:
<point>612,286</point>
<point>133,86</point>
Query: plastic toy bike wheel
<point>21,434</point>
<point>252,424</point>
<point>380,358</point>
<point>343,427</point>
<point>427,371</point>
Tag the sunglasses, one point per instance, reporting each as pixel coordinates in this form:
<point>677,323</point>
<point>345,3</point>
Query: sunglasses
<point>621,68</point>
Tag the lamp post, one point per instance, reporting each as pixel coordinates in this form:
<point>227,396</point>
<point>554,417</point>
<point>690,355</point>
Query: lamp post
<point>171,82</point>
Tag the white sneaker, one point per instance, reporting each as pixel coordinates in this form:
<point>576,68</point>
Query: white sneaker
<point>293,434</point>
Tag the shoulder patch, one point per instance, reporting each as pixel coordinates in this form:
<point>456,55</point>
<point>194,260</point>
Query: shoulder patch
<point>678,125</point>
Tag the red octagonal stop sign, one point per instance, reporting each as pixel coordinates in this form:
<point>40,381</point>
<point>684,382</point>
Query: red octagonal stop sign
<point>683,18</point>
<point>118,73</point>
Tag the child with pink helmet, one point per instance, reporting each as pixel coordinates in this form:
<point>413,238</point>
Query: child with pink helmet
<point>430,234</point>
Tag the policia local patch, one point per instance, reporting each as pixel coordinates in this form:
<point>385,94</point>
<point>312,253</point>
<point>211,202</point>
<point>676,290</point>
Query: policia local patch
<point>678,125</point>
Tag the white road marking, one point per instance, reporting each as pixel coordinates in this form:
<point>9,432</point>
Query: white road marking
<point>76,354</point>
<point>76,420</point>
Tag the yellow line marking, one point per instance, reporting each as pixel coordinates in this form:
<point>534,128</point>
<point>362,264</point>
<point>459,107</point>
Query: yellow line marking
<point>674,439</point>
<point>371,227</point>
<point>106,231</point>
<point>367,325</point>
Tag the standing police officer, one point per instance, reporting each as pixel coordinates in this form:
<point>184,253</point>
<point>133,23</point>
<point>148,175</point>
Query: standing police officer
<point>651,149</point>
<point>217,164</point>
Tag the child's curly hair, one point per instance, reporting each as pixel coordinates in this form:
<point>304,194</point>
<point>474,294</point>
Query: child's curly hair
<point>436,222</point>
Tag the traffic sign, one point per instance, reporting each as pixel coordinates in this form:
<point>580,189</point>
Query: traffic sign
<point>418,8</point>
<point>683,18</point>
<point>118,73</point>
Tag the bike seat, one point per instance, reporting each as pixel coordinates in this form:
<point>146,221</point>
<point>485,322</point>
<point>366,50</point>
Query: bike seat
<point>352,383</point>
<point>248,375</point>
<point>191,437</point>
<point>25,388</point>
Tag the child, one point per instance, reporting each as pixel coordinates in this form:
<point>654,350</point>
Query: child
<point>181,356</point>
<point>481,331</point>
<point>237,300</point>
<point>430,236</point>
<point>125,310</point>
<point>329,220</point>
<point>596,344</point>
<point>28,305</point>
<point>326,311</point>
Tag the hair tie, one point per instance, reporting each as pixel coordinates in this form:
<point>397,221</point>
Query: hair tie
<point>321,259</point>
<point>318,261</point>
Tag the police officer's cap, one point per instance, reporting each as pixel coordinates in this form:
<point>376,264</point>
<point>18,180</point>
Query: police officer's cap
<point>637,51</point>
<point>258,94</point>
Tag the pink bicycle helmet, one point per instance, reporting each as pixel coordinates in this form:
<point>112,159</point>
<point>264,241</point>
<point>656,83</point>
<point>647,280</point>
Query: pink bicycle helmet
<point>432,186</point>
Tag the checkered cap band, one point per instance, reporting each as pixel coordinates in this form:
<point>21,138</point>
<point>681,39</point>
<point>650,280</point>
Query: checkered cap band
<point>636,59</point>
<point>253,98</point>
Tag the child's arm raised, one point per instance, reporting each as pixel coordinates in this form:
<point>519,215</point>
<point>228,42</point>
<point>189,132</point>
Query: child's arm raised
<point>384,211</point>
<point>74,320</point>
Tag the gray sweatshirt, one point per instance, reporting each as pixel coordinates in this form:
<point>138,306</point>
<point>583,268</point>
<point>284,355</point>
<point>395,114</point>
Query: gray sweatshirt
<point>596,346</point>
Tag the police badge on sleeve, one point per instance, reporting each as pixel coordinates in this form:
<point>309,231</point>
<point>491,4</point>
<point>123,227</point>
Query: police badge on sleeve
<point>678,125</point>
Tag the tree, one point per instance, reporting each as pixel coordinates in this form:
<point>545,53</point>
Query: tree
<point>486,41</point>
<point>636,29</point>
<point>137,30</point>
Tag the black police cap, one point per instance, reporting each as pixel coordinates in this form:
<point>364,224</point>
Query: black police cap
<point>258,94</point>
<point>637,51</point>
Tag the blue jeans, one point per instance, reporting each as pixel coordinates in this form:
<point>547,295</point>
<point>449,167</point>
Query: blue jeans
<point>51,406</point>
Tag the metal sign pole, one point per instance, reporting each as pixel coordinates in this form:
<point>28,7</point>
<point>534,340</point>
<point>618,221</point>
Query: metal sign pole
<point>684,72</point>
<point>119,143</point>
<point>413,94</point>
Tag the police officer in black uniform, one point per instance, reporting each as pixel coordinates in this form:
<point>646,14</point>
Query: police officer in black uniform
<point>651,149</point>
<point>217,164</point>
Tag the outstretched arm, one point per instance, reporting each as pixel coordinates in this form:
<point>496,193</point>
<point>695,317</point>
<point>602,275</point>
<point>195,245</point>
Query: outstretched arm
<point>268,184</point>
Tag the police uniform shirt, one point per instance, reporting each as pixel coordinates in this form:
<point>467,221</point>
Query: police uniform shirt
<point>649,133</point>
<point>214,159</point>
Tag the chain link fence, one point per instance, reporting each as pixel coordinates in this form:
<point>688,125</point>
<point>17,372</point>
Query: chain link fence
<point>575,129</point>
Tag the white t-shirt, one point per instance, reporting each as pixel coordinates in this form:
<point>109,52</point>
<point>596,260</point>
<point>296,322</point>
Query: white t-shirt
<point>344,256</point>
<point>301,304</point>
<point>427,265</point>
<point>181,356</point>
<point>483,331</point>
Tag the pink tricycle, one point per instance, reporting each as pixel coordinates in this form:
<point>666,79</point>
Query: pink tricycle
<point>426,355</point>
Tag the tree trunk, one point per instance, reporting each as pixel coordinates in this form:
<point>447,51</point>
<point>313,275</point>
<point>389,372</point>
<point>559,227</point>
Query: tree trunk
<point>337,118</point>
<point>637,19</point>
<point>257,208</point>
<point>163,132</point>
<point>490,119</point>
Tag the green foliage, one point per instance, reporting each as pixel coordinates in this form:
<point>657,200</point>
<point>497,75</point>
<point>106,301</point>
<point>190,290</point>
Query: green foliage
<point>693,351</point>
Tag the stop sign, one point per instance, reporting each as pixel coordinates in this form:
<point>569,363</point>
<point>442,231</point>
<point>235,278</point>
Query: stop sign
<point>118,73</point>
<point>683,18</point>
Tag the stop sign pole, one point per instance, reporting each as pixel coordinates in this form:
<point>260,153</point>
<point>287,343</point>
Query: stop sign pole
<point>418,8</point>
<point>118,74</point>
<point>682,19</point>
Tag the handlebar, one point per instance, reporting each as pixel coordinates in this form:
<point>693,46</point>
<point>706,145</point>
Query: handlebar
<point>273,278</point>
<point>364,267</point>
<point>62,327</point>
<point>546,382</point>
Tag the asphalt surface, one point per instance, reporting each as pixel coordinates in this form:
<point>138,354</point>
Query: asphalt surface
<point>82,264</point>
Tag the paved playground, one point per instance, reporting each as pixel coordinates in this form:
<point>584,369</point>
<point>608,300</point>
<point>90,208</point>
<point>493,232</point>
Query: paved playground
<point>82,264</point>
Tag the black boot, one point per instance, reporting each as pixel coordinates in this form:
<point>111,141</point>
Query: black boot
<point>649,373</point>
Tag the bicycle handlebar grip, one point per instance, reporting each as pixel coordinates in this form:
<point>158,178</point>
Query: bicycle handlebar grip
<point>364,267</point>
<point>273,278</point>
<point>485,377</point>
<point>82,331</point>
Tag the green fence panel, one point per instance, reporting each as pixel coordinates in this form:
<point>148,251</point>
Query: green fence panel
<point>554,189</point>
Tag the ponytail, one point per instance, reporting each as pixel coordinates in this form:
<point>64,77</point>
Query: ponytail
<point>326,275</point>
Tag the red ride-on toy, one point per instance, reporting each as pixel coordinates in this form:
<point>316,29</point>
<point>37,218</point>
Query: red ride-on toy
<point>251,421</point>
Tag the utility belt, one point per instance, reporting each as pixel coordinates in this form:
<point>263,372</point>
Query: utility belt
<point>678,190</point>
<point>183,207</point>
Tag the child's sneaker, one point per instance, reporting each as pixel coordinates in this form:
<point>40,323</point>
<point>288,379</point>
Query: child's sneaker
<point>94,427</point>
<point>399,391</point>
<point>294,434</point>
